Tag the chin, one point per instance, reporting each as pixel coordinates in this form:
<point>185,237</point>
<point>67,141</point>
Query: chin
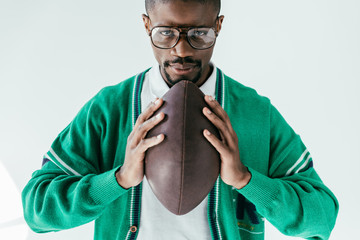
<point>172,80</point>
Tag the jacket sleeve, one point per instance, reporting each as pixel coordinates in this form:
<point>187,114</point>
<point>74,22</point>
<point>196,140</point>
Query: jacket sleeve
<point>292,196</point>
<point>53,200</point>
<point>75,186</point>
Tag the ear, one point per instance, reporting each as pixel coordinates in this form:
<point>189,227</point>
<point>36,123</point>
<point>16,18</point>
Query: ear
<point>219,22</point>
<point>146,21</point>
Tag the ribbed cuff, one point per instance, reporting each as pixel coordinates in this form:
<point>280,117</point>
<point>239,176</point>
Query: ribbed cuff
<point>261,190</point>
<point>104,188</point>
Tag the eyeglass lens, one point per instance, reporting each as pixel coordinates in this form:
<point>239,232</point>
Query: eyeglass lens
<point>167,37</point>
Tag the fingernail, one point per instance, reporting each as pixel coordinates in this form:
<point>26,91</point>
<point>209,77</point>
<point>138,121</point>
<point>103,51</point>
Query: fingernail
<point>208,111</point>
<point>211,98</point>
<point>158,116</point>
<point>207,132</point>
<point>157,101</point>
<point>159,136</point>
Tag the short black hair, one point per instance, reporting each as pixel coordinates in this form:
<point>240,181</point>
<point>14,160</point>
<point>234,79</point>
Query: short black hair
<point>150,4</point>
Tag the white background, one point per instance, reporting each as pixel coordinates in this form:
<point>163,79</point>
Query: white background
<point>303,55</point>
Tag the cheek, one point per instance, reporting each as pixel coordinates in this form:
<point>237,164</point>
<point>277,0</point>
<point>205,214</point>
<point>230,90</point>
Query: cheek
<point>206,56</point>
<point>159,54</point>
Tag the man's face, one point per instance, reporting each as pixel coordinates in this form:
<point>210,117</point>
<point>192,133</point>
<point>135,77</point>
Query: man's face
<point>183,62</point>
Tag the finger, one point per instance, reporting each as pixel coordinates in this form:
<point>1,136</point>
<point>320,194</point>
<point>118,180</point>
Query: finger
<point>143,128</point>
<point>148,112</point>
<point>147,143</point>
<point>219,123</point>
<point>216,108</point>
<point>218,145</point>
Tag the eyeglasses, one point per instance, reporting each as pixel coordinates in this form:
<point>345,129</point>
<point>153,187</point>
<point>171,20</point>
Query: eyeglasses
<point>197,37</point>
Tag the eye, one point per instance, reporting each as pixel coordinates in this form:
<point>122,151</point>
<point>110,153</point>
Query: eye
<point>167,33</point>
<point>200,33</point>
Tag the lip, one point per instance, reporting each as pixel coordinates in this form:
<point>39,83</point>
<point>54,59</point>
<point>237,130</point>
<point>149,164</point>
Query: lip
<point>182,69</point>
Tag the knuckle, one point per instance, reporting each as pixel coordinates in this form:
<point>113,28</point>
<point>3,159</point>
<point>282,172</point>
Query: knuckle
<point>146,126</point>
<point>130,141</point>
<point>223,125</point>
<point>141,117</point>
<point>130,137</point>
<point>131,145</point>
<point>139,120</point>
<point>227,119</point>
<point>214,117</point>
<point>141,126</point>
<point>150,105</point>
<point>153,119</point>
<point>226,130</point>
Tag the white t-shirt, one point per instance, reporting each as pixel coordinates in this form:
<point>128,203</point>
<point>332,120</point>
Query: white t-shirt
<point>156,222</point>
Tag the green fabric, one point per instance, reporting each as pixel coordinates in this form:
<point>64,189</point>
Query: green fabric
<point>79,185</point>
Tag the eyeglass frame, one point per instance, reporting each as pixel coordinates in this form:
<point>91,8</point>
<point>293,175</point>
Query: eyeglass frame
<point>184,32</point>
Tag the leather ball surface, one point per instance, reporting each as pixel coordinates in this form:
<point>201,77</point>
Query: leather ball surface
<point>183,168</point>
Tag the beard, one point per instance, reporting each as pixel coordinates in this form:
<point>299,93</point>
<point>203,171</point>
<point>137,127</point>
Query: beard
<point>172,81</point>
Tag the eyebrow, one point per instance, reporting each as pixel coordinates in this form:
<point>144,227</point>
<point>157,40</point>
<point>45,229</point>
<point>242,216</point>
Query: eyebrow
<point>173,24</point>
<point>184,26</point>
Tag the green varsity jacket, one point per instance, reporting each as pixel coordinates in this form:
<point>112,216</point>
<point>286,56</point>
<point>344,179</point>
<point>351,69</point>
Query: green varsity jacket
<point>77,182</point>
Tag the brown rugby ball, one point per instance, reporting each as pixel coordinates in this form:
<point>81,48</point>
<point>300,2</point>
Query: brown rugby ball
<point>183,168</point>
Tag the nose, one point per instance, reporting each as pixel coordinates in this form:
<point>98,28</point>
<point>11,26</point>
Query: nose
<point>182,48</point>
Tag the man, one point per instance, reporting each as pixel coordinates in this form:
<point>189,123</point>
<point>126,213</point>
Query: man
<point>95,167</point>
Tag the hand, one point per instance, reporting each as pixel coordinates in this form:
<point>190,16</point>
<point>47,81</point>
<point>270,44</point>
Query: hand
<point>232,170</point>
<point>131,172</point>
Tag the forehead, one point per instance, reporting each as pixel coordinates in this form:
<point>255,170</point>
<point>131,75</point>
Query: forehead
<point>180,13</point>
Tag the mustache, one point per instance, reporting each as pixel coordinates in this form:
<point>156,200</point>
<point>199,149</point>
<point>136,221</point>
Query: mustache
<point>183,61</point>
